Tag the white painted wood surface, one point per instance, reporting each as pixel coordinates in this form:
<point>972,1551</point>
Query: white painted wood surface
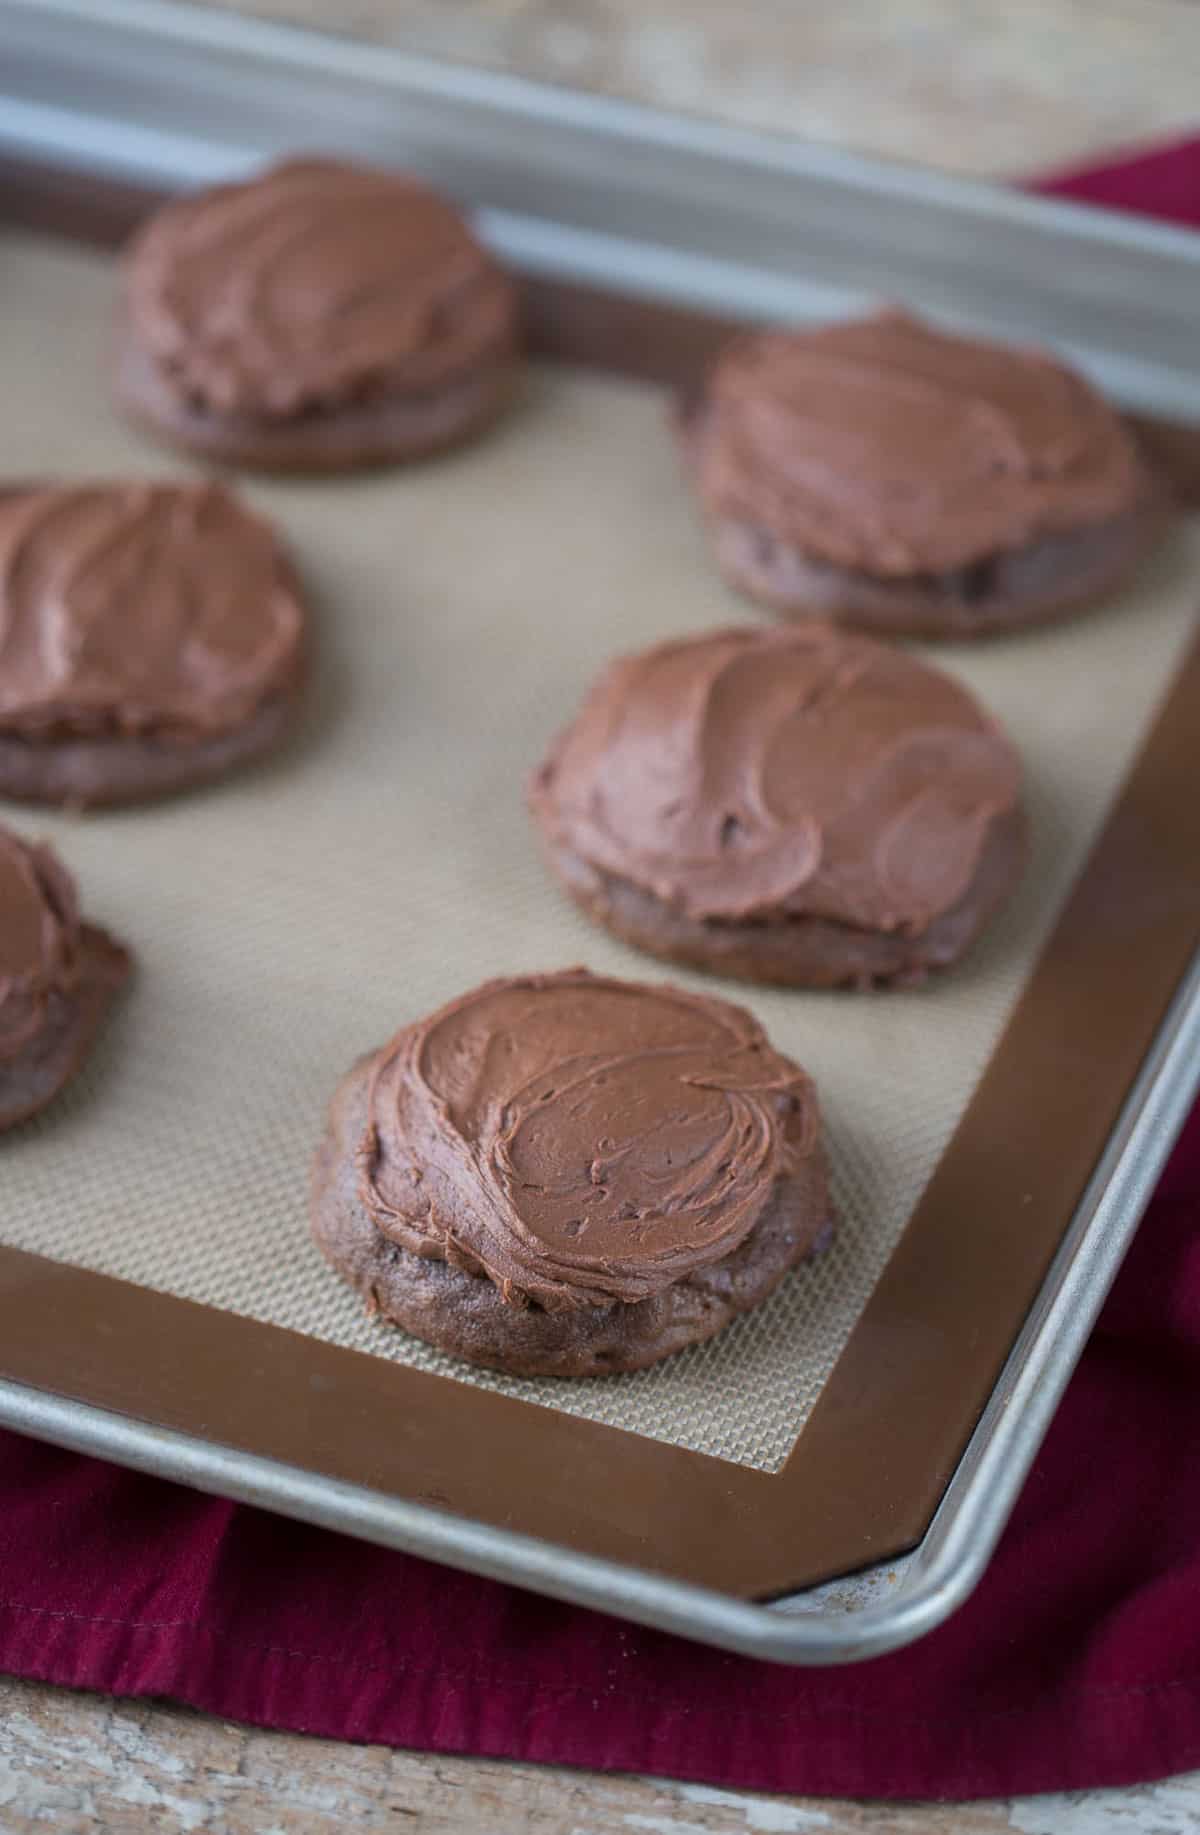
<point>81,1765</point>
<point>987,87</point>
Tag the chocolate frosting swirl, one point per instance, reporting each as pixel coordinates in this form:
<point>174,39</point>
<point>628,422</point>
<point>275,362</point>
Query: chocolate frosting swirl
<point>39,938</point>
<point>312,285</point>
<point>805,771</point>
<point>580,1141</point>
<point>139,609</point>
<point>887,446</point>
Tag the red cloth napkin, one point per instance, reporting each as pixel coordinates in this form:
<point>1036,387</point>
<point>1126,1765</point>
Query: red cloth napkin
<point>1077,1662</point>
<point>1161,182</point>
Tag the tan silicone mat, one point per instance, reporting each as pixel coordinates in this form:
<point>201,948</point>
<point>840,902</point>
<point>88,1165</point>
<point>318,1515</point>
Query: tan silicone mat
<point>293,918</point>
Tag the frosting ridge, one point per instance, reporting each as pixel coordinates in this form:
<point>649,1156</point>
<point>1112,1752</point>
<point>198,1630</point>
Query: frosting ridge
<point>578,1140</point>
<point>886,445</point>
<point>754,774</point>
<point>39,938</point>
<point>311,285</point>
<point>139,609</point>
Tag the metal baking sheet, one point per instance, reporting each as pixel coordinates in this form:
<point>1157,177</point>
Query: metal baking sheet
<point>977,1500</point>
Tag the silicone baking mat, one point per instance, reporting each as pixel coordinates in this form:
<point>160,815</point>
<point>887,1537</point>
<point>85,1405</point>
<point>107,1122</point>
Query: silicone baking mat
<point>293,918</point>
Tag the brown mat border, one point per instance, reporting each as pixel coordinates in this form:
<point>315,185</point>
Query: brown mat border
<point>866,1474</point>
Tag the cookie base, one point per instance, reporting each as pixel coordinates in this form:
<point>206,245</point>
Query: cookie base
<point>385,431</point>
<point>93,773</point>
<point>465,1315</point>
<point>1055,577</point>
<point>35,1076</point>
<point>798,952</point>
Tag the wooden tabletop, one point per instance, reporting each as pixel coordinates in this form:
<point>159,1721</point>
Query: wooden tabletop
<point>86,1766</point>
<point>991,87</point>
<point>1000,87</point>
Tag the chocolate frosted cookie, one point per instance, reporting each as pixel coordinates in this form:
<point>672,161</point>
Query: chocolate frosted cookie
<point>562,1175</point>
<point>893,477</point>
<point>798,805</point>
<point>151,638</point>
<point>317,317</point>
<point>57,977</point>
